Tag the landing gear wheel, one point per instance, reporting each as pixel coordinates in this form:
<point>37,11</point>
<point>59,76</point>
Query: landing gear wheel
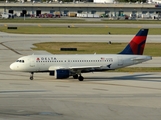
<point>75,76</point>
<point>80,78</point>
<point>32,77</point>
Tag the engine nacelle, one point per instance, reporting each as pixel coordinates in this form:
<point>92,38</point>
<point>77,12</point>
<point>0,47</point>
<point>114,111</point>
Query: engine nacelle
<point>61,74</point>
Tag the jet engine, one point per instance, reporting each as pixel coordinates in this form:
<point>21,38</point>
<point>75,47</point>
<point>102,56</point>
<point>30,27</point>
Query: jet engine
<point>61,74</point>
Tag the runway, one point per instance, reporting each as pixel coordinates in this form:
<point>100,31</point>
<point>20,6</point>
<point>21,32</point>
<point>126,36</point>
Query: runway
<point>36,38</point>
<point>101,96</point>
<point>83,25</point>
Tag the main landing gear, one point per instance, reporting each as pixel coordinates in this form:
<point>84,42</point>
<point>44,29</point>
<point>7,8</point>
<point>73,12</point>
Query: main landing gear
<point>32,76</point>
<point>80,78</point>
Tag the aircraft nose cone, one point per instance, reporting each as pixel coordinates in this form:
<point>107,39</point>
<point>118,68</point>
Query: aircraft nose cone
<point>12,66</point>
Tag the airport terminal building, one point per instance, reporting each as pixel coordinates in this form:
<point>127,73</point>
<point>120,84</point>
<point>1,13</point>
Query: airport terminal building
<point>111,10</point>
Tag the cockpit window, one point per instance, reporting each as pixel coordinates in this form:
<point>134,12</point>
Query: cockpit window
<point>21,61</point>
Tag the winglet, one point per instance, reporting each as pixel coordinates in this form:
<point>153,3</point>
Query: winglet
<point>136,45</point>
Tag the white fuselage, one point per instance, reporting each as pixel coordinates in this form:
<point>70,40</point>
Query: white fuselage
<point>45,63</point>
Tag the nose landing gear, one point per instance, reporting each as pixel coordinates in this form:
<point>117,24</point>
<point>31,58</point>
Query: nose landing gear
<point>32,76</point>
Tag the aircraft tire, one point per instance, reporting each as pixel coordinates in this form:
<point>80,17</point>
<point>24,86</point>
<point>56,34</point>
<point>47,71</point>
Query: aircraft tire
<point>80,78</point>
<point>75,76</point>
<point>31,78</point>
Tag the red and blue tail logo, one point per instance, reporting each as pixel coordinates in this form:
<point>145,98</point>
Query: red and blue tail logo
<point>136,46</point>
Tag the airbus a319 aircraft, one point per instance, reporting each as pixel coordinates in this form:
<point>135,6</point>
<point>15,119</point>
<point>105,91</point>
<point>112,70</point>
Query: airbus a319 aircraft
<point>64,66</point>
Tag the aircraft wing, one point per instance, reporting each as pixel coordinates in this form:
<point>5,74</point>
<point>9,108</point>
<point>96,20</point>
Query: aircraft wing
<point>84,68</point>
<point>75,68</point>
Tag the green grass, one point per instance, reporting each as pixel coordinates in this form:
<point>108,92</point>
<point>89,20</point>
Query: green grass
<point>77,30</point>
<point>90,48</point>
<point>77,20</point>
<point>40,20</point>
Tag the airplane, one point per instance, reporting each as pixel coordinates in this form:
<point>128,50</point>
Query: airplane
<point>64,66</point>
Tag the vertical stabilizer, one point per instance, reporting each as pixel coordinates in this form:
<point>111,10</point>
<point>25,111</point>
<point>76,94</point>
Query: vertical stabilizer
<point>137,44</point>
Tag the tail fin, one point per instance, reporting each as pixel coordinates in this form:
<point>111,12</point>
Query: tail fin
<point>136,46</point>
